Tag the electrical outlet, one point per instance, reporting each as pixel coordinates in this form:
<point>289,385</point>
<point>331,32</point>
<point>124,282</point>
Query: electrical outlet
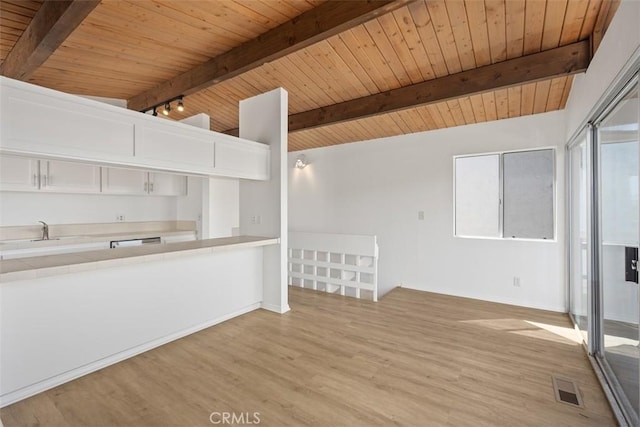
<point>253,219</point>
<point>516,281</point>
<point>119,218</point>
<point>259,219</point>
<point>420,215</point>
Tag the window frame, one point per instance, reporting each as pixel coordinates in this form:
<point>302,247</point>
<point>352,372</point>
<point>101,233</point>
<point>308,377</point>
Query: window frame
<point>501,237</point>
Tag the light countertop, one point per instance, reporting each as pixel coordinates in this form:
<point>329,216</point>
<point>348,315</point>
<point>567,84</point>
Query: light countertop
<point>6,245</point>
<point>42,266</point>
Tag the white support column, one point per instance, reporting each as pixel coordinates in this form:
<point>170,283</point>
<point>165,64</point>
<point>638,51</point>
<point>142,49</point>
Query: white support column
<point>263,204</point>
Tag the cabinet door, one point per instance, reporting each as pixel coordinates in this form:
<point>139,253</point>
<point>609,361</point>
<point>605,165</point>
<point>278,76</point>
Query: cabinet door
<point>124,181</point>
<point>69,177</point>
<point>167,184</point>
<point>173,146</point>
<point>242,159</point>
<point>48,122</point>
<point>18,174</point>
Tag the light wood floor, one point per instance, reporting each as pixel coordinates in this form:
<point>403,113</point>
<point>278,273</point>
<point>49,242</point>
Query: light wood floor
<point>413,359</point>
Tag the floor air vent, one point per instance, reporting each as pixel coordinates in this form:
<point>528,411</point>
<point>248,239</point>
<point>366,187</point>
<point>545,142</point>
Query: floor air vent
<point>566,391</point>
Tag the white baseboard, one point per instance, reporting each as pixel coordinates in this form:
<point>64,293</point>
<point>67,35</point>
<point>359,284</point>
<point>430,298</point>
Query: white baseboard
<point>276,308</point>
<point>39,387</point>
<point>558,309</point>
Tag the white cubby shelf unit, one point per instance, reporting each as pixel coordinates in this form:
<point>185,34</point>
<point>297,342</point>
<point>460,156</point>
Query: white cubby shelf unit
<point>334,263</point>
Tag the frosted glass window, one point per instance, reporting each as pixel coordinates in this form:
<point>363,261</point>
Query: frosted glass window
<point>528,194</point>
<point>477,196</point>
<point>505,195</point>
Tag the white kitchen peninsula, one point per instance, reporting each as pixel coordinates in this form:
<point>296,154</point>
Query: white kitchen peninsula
<point>67,315</point>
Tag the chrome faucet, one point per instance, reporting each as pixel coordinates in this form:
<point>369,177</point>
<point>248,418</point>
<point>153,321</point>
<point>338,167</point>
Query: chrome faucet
<point>45,230</point>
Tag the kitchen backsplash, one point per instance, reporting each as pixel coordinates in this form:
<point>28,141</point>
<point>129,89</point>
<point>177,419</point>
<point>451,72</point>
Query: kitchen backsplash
<point>61,230</point>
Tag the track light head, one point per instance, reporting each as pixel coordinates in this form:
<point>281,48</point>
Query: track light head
<point>166,106</point>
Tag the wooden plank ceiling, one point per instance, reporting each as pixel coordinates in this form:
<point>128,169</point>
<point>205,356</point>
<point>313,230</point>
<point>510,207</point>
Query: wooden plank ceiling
<point>126,47</point>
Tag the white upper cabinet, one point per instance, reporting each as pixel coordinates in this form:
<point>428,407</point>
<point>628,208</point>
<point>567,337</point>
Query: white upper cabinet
<point>174,146</point>
<point>167,184</point>
<point>124,181</point>
<point>48,122</point>
<point>247,159</point>
<point>18,174</point>
<point>139,182</point>
<point>41,122</point>
<point>27,174</point>
<point>69,177</point>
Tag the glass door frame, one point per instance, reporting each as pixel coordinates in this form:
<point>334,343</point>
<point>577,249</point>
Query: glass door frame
<point>595,342</point>
<point>598,350</point>
<point>591,230</point>
<point>594,237</point>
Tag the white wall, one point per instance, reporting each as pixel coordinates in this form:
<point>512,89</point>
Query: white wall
<point>117,102</point>
<point>620,45</point>
<point>222,210</point>
<point>378,187</point>
<point>210,199</point>
<point>26,208</point>
<point>189,207</point>
<point>200,120</point>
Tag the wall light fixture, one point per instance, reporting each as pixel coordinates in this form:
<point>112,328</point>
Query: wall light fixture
<point>301,162</point>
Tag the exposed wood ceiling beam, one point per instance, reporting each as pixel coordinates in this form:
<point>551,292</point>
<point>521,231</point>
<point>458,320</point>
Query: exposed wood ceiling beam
<point>561,61</point>
<point>51,25</point>
<point>320,23</point>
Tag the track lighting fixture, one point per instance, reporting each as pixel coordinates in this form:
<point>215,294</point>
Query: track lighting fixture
<point>166,106</point>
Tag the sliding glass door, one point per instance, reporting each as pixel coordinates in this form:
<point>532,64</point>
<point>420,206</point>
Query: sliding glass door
<point>578,229</point>
<point>617,136</point>
<point>603,234</point>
